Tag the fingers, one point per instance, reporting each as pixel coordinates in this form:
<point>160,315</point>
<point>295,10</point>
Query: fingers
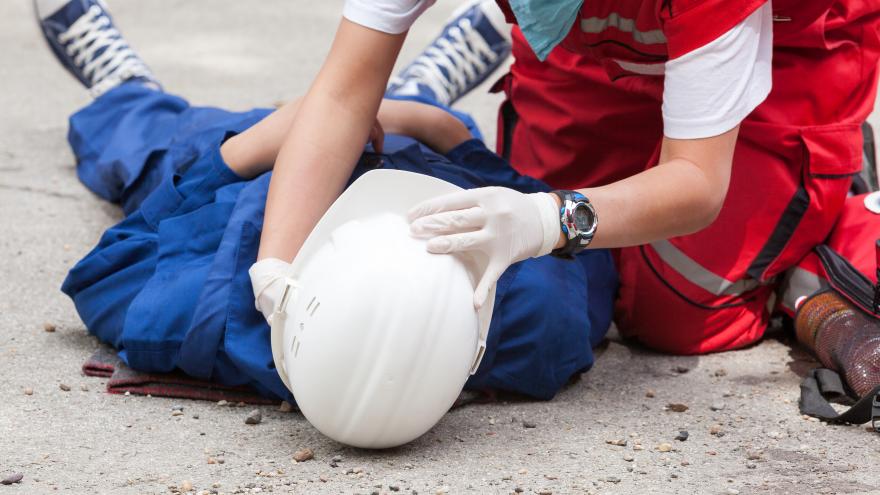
<point>449,222</point>
<point>377,137</point>
<point>454,201</point>
<point>490,277</point>
<point>457,242</point>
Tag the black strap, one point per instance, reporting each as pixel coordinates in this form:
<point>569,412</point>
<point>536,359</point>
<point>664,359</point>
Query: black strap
<point>822,385</point>
<point>847,280</point>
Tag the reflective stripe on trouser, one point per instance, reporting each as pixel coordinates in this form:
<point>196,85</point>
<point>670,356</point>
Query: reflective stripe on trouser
<point>700,275</point>
<point>670,303</point>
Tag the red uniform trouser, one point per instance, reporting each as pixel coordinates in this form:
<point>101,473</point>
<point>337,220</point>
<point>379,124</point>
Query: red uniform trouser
<point>565,122</point>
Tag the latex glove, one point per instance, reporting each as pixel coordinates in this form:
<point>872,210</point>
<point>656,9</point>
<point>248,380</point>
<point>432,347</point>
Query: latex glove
<point>506,225</point>
<point>267,280</point>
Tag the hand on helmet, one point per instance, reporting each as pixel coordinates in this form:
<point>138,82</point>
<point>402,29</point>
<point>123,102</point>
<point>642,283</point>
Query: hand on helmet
<point>506,225</point>
<point>267,280</point>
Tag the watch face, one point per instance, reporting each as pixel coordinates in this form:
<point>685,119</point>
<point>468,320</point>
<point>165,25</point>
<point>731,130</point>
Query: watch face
<point>583,218</point>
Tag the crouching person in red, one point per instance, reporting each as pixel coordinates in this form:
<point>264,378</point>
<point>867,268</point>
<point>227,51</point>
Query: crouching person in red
<point>717,141</point>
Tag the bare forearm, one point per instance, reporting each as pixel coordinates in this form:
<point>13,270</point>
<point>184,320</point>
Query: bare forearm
<point>681,195</point>
<point>326,138</point>
<point>255,150</point>
<point>651,206</point>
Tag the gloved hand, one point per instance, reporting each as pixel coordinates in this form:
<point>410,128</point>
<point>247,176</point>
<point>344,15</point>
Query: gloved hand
<point>267,280</point>
<point>506,225</point>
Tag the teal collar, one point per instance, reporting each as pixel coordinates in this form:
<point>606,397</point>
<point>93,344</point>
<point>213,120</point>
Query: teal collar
<point>545,23</point>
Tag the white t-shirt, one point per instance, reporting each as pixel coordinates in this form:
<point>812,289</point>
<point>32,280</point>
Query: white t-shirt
<point>388,16</point>
<point>706,92</point>
<point>710,90</point>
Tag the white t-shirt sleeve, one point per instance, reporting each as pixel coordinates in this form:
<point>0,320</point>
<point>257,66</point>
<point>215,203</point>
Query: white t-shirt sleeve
<point>710,90</point>
<point>388,16</point>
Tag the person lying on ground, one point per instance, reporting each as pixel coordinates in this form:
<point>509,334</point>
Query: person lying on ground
<point>168,286</point>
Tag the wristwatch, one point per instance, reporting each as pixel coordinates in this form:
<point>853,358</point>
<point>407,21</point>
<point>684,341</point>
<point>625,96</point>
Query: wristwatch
<point>578,221</point>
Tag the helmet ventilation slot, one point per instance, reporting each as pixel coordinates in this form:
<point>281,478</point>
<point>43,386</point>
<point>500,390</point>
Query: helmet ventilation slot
<point>294,346</point>
<point>312,307</point>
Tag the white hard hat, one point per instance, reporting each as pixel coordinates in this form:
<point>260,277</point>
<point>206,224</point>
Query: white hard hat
<point>375,337</point>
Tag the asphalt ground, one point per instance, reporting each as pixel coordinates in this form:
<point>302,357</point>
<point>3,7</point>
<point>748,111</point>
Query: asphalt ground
<point>745,432</point>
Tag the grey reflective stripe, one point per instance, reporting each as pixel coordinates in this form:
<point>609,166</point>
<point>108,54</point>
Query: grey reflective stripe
<point>595,25</point>
<point>698,274</point>
<point>799,282</point>
<point>645,69</point>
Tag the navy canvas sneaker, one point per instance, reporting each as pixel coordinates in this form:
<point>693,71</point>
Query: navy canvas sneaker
<point>82,35</point>
<point>474,43</point>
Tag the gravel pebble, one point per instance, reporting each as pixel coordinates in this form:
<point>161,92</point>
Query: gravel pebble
<point>753,455</point>
<point>715,429</point>
<point>718,406</point>
<point>664,447</point>
<point>674,407</point>
<point>12,479</point>
<point>84,387</point>
<point>612,479</point>
<point>65,387</point>
<point>650,393</point>
<point>49,327</point>
<point>28,391</point>
<point>186,486</point>
<point>751,465</point>
<point>681,369</point>
<point>177,413</point>
<point>254,418</point>
<point>620,442</point>
<point>682,435</point>
<point>628,458</point>
<point>732,491</point>
<point>303,455</point>
<point>285,407</point>
<point>529,424</point>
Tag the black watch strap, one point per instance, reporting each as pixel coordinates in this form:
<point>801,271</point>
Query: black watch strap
<point>578,237</point>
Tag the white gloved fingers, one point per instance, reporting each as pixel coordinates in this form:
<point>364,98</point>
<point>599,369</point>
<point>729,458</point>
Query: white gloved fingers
<point>490,276</point>
<point>453,243</point>
<point>453,201</point>
<point>449,222</point>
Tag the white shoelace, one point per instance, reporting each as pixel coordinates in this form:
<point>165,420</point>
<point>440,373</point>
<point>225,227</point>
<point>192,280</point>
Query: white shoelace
<point>118,62</point>
<point>463,57</point>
